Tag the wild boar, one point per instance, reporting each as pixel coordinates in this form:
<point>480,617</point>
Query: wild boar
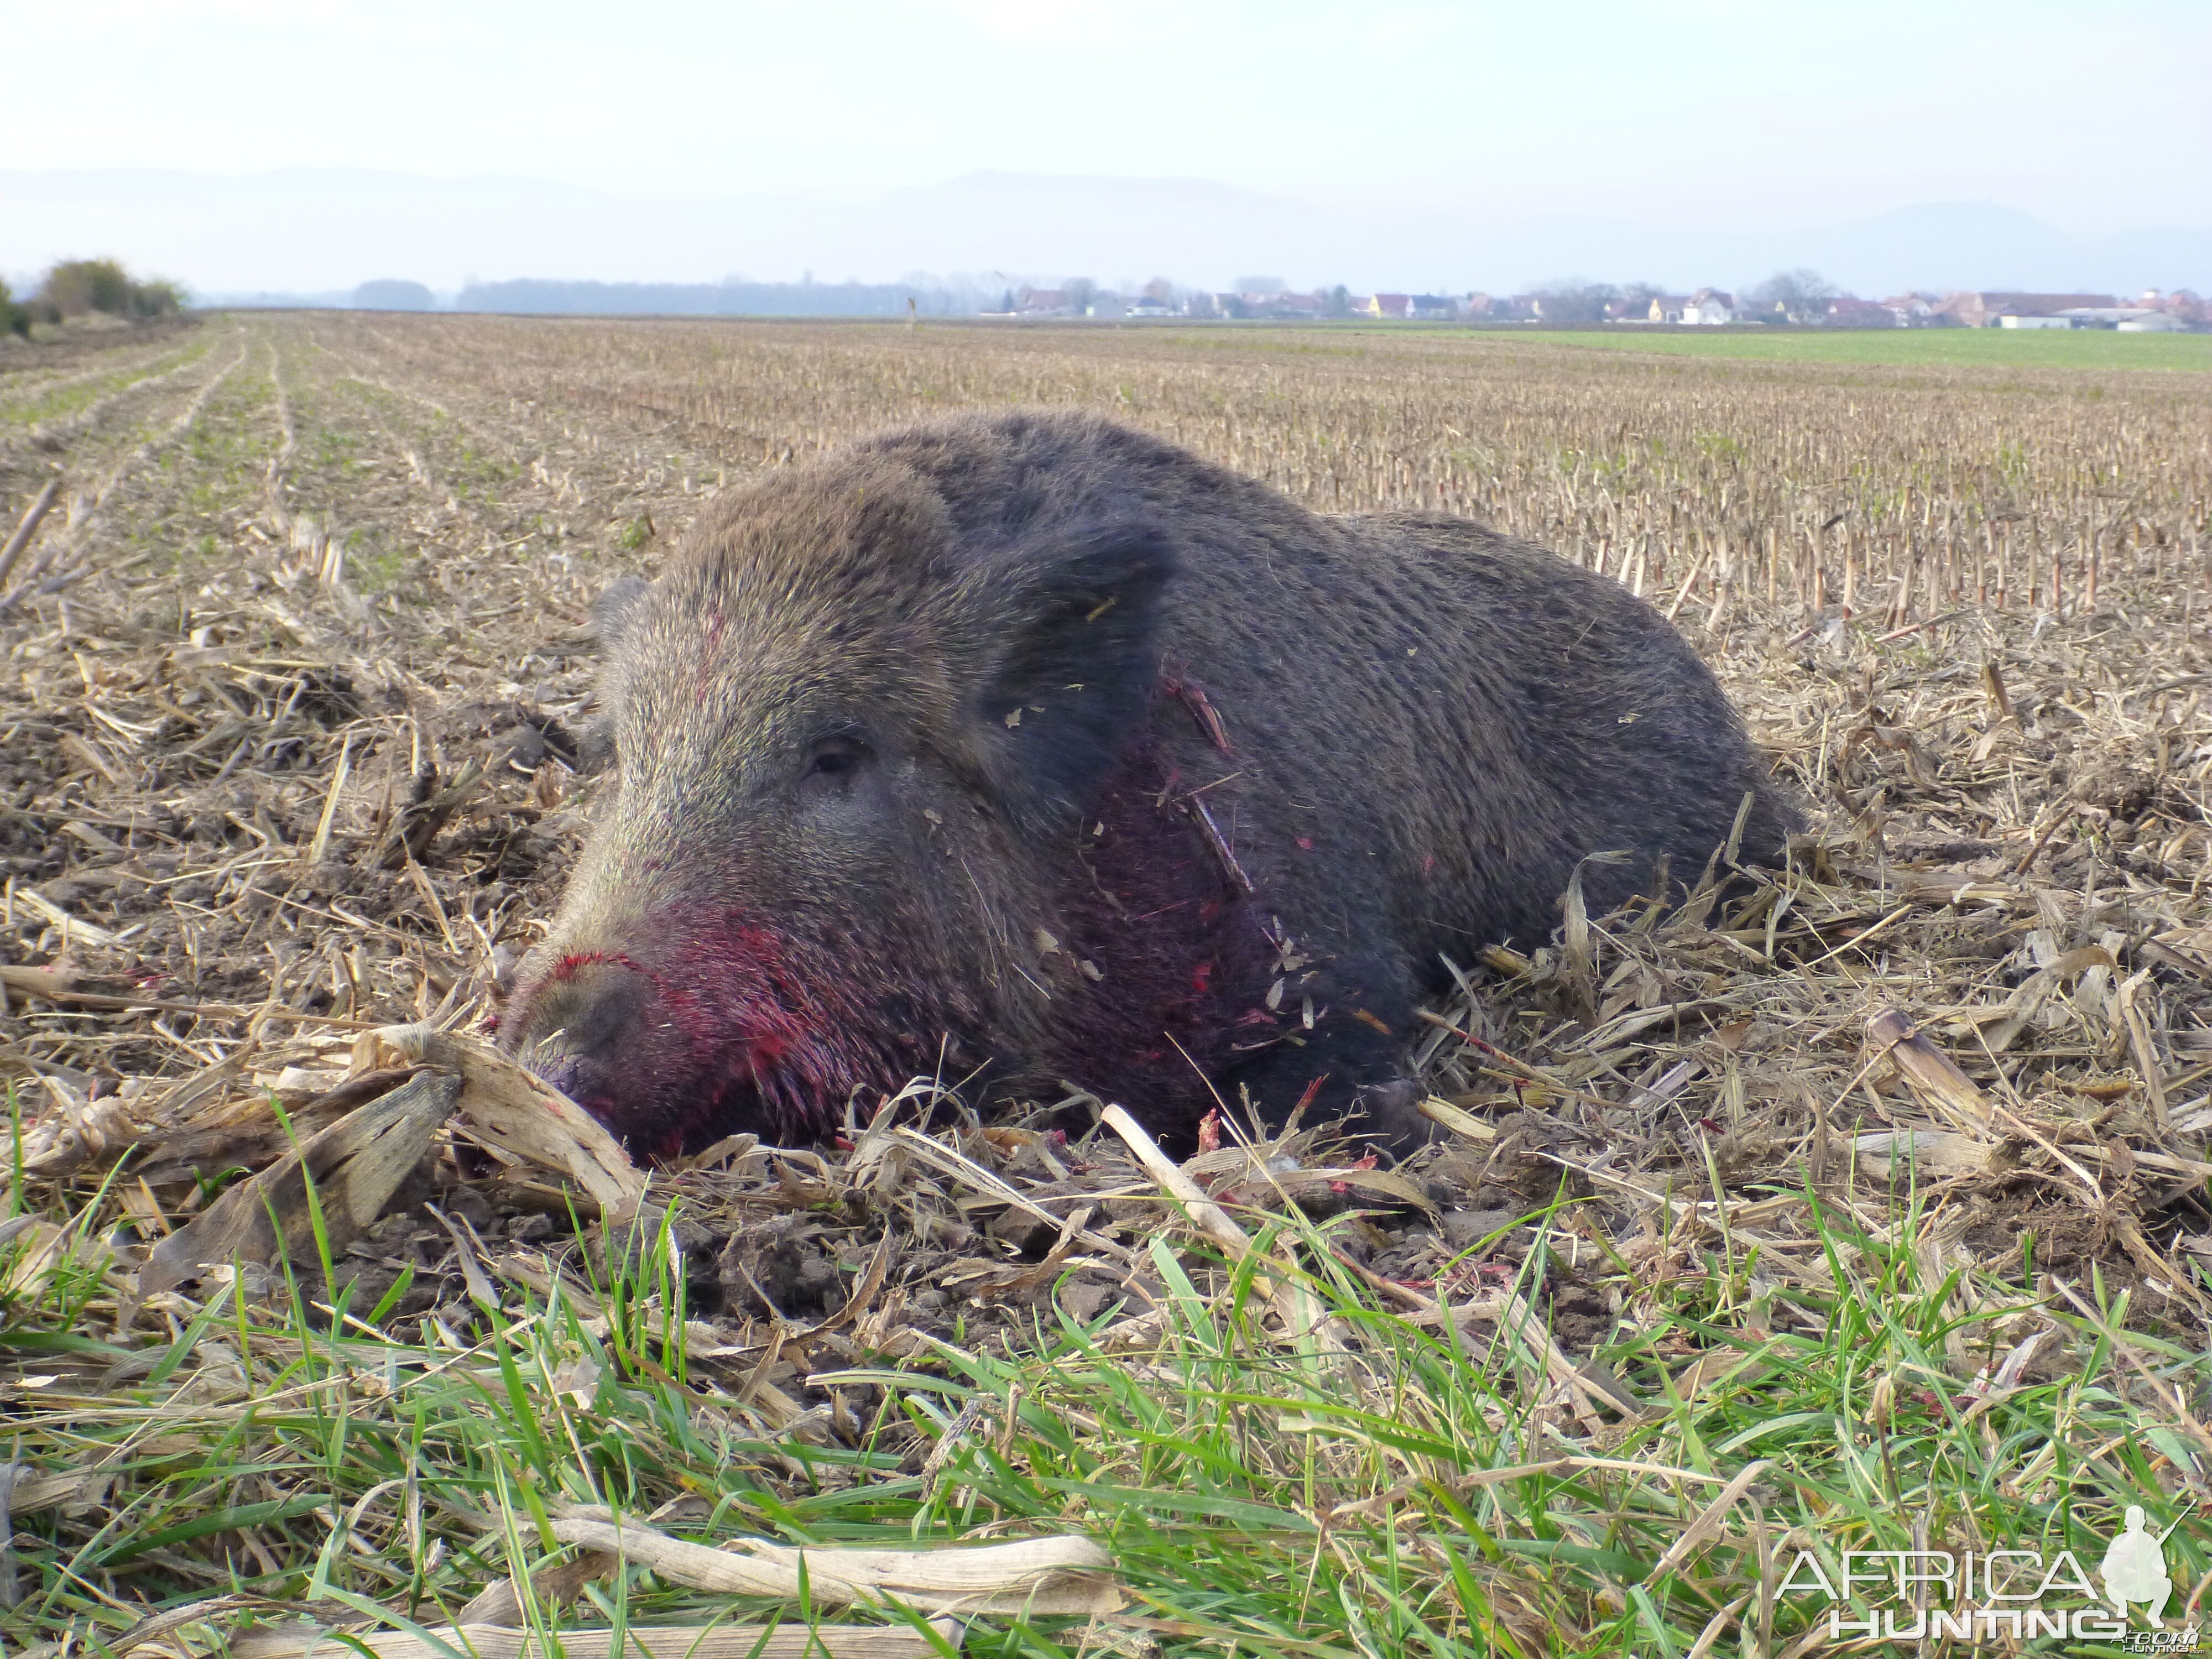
<point>1030,750</point>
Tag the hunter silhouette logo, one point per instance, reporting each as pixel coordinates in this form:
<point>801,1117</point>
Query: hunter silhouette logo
<point>2134,1569</point>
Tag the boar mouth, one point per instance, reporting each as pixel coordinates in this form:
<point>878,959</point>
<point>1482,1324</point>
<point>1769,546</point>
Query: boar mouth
<point>658,1117</point>
<point>668,1068</point>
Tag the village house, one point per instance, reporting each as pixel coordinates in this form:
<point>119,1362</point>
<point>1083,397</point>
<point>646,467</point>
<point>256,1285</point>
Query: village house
<point>1709,306</point>
<point>1846,311</point>
<point>2183,305</point>
<point>2151,313</point>
<point>1989,310</point>
<point>2136,319</point>
<point>1400,305</point>
<point>1044,302</point>
<point>1498,307</point>
<point>1916,310</point>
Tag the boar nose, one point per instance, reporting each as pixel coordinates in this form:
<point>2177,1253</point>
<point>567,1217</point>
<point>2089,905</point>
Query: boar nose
<point>582,1017</point>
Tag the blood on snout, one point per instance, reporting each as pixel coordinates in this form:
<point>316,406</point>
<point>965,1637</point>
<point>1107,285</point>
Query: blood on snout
<point>721,1028</point>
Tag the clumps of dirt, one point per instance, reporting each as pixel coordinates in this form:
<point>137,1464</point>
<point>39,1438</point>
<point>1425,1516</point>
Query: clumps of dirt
<point>2122,792</point>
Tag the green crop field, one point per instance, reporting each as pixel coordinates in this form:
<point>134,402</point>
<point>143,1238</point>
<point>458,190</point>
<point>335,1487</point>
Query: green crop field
<point>1970,348</point>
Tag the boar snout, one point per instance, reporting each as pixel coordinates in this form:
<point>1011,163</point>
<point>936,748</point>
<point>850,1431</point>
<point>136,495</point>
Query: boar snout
<point>574,1021</point>
<point>689,1035</point>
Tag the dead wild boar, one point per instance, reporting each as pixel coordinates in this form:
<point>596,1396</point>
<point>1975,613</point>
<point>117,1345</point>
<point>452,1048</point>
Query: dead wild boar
<point>1028,748</point>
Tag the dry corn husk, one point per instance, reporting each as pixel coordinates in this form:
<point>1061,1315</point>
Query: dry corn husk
<point>638,1641</point>
<point>1036,1576</point>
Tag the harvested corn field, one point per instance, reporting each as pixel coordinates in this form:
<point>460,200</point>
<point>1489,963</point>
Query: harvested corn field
<point>1903,1145</point>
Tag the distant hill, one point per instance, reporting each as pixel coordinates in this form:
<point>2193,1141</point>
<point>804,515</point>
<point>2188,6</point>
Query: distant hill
<point>306,231</point>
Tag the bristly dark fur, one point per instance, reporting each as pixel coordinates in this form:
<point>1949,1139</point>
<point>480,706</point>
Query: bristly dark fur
<point>1028,744</point>
<point>1070,630</point>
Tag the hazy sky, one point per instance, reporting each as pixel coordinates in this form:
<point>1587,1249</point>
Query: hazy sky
<point>2095,118</point>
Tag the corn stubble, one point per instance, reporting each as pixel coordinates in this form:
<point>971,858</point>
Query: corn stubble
<point>1869,1204</point>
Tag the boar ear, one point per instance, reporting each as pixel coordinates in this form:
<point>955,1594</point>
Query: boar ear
<point>615,609</point>
<point>1077,656</point>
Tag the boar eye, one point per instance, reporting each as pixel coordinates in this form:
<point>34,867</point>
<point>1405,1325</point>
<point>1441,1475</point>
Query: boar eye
<point>835,761</point>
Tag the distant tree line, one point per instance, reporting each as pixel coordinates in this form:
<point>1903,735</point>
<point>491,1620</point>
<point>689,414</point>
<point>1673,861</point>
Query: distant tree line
<point>78,288</point>
<point>392,294</point>
<point>725,299</point>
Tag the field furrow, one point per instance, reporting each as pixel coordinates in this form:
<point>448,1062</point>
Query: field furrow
<point>66,419</point>
<point>29,386</point>
<point>68,547</point>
